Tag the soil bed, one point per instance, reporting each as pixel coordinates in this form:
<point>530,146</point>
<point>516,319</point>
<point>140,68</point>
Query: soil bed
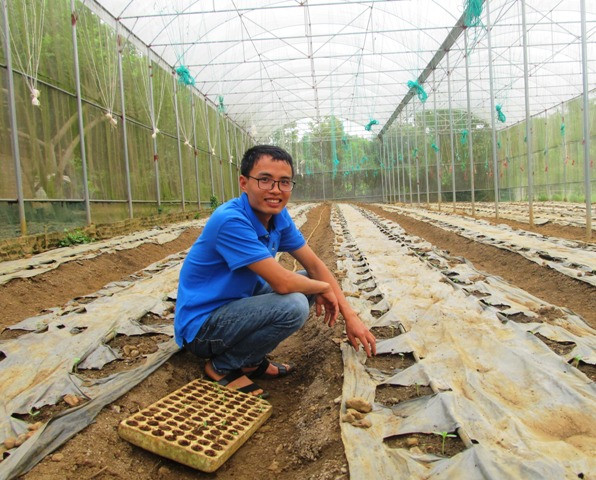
<point>302,439</point>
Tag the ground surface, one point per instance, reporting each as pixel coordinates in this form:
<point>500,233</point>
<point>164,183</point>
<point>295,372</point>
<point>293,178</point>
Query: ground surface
<point>301,440</point>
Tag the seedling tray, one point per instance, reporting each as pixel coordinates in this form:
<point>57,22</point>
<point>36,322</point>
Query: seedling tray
<point>200,425</point>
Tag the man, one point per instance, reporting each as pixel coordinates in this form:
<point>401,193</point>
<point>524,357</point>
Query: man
<point>235,302</point>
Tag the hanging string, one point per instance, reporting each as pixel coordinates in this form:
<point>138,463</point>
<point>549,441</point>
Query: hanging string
<point>500,115</point>
<point>422,95</point>
<point>473,10</point>
<point>369,125</point>
<point>33,38</point>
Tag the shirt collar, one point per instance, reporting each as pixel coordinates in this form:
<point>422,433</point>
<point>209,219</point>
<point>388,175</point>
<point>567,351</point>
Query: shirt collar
<point>279,222</point>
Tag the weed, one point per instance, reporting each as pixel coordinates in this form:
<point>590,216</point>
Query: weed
<point>214,202</point>
<point>444,435</point>
<point>74,238</point>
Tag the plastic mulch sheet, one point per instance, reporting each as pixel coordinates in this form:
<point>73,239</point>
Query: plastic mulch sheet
<point>521,410</point>
<point>570,258</point>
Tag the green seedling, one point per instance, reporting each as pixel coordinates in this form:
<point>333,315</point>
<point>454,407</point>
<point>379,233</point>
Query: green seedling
<point>576,360</point>
<point>75,365</point>
<point>402,357</point>
<point>417,389</point>
<point>444,435</point>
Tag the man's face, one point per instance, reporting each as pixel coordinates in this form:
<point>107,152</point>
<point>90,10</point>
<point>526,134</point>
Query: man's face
<point>266,203</point>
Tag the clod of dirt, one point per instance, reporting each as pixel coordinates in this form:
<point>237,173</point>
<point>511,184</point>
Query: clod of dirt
<point>412,442</point>
<point>34,426</point>
<point>364,423</point>
<point>20,439</point>
<point>359,404</point>
<point>351,416</point>
<point>71,399</point>
<point>57,457</point>
<point>10,442</point>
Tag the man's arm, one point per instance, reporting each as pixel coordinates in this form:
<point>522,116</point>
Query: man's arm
<point>355,329</point>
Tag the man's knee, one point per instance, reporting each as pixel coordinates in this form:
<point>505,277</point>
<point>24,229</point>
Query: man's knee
<point>297,307</point>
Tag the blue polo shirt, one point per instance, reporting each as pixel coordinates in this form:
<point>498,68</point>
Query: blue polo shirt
<point>215,270</point>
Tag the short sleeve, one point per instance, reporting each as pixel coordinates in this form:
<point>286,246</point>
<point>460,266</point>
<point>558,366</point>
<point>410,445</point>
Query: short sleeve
<point>291,238</point>
<point>238,244</point>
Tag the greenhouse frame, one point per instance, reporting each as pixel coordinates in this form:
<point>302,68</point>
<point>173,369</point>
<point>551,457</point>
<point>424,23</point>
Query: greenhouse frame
<point>376,100</point>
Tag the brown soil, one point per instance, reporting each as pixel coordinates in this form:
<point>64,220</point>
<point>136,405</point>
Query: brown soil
<point>428,443</point>
<point>302,439</point>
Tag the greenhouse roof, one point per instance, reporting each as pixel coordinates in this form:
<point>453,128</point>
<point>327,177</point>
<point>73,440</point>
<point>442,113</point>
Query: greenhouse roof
<point>280,61</point>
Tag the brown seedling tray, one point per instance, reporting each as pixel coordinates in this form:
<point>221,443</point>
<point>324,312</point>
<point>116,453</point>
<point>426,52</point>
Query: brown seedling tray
<point>200,425</point>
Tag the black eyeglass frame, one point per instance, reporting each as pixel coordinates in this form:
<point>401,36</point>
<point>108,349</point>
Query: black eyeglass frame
<point>292,183</point>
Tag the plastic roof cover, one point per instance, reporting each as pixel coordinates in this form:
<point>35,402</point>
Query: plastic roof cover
<point>279,61</point>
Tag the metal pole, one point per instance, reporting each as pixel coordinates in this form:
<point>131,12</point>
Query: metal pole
<point>211,149</point>
<point>587,180</point>
<point>492,110</point>
<point>154,133</point>
<point>409,161</point>
<point>12,110</point>
<point>230,160</point>
<point>425,153</point>
<point>382,176</point>
<point>77,73</point>
<point>119,41</point>
<point>392,171</point>
<point>396,170</point>
<point>416,149</point>
<point>438,143</point>
<point>529,144</point>
<point>322,163</point>
<point>403,162</point>
<point>195,150</point>
<point>221,176</point>
<point>470,147</point>
<point>178,143</point>
<point>451,129</point>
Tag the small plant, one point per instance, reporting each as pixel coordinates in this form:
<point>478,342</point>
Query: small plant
<point>75,365</point>
<point>444,435</point>
<point>417,389</point>
<point>74,238</point>
<point>213,202</point>
<point>576,360</point>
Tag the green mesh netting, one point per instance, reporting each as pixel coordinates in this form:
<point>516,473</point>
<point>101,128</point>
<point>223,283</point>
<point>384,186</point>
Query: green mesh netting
<point>500,115</point>
<point>473,10</point>
<point>184,75</point>
<point>422,95</point>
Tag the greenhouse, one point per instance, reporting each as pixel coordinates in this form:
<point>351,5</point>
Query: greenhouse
<point>442,160</point>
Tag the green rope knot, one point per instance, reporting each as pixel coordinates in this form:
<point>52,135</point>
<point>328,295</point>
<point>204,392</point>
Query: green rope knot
<point>415,152</point>
<point>422,95</point>
<point>473,11</point>
<point>221,108</point>
<point>184,76</point>
<point>434,147</point>
<point>501,116</point>
<point>563,129</point>
<point>464,136</point>
<point>369,125</point>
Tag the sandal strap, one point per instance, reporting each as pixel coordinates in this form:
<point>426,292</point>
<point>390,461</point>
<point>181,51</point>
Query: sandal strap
<point>230,377</point>
<point>260,370</point>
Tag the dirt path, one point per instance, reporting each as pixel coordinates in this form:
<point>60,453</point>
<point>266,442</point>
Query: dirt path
<point>300,440</point>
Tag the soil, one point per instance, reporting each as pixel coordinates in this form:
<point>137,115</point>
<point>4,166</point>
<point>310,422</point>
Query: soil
<point>302,438</point>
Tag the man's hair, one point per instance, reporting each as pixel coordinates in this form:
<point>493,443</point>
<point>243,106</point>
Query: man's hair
<point>253,154</point>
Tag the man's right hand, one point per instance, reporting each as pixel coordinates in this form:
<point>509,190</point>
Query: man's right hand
<point>328,301</point>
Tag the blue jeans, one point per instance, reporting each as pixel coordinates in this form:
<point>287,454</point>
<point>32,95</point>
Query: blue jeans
<point>240,333</point>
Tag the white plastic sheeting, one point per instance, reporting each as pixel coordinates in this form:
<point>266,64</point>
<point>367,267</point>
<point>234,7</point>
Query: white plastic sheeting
<point>529,414</point>
<point>570,258</point>
<point>46,261</point>
<point>561,213</point>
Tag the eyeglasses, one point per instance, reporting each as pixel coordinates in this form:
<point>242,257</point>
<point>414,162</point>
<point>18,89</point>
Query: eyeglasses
<point>267,183</point>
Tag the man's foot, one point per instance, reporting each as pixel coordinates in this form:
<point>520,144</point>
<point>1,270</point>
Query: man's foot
<point>269,369</point>
<point>236,380</point>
